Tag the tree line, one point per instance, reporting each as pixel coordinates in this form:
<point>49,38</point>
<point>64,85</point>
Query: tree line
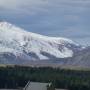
<point>18,76</point>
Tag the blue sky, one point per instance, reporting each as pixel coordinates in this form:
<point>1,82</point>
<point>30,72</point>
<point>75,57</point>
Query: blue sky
<point>61,18</point>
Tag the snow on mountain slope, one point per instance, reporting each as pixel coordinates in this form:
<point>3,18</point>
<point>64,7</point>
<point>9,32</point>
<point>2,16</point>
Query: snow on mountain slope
<point>34,46</point>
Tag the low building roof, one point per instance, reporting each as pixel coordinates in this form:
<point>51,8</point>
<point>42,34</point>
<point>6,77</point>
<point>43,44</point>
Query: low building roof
<point>36,86</point>
<point>61,89</point>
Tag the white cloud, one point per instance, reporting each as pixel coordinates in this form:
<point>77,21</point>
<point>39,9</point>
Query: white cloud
<point>12,4</point>
<point>32,6</point>
<point>8,3</point>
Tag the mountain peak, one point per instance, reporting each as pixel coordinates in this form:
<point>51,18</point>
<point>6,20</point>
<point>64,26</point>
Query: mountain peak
<point>34,46</point>
<point>5,24</point>
<point>8,27</point>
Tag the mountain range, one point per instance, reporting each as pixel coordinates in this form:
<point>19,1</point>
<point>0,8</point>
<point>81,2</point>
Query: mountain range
<point>18,46</point>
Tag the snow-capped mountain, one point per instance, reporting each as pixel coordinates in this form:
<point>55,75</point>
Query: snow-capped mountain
<point>23,45</point>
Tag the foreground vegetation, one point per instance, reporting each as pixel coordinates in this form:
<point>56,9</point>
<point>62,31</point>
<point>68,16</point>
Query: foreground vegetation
<point>17,76</point>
